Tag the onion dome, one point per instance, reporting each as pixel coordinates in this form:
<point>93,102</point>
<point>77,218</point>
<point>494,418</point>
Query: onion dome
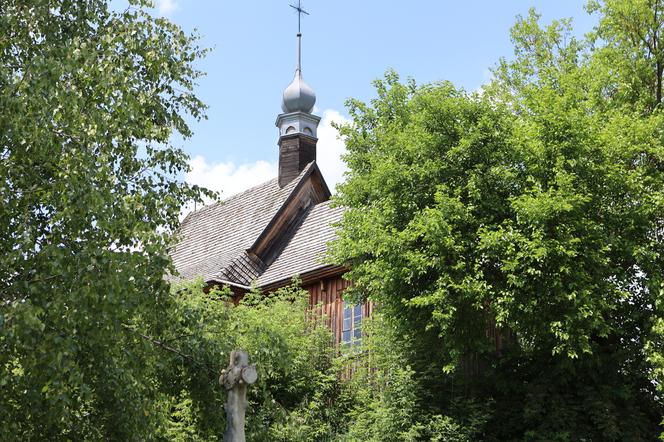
<point>298,96</point>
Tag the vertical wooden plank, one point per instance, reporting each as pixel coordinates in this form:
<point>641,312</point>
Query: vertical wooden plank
<point>333,314</point>
<point>339,304</point>
<point>323,300</point>
<point>323,309</point>
<point>312,297</point>
<point>330,303</point>
<point>317,304</point>
<point>327,307</point>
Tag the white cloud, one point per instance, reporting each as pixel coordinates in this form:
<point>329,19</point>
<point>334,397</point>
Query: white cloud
<point>166,7</point>
<point>331,148</point>
<point>229,178</point>
<point>226,178</point>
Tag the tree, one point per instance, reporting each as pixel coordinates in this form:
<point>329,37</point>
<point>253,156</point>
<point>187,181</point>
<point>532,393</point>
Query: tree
<point>535,209</point>
<point>89,99</point>
<point>629,38</point>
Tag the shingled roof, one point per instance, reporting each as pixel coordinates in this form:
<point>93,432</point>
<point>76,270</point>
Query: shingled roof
<point>216,235</point>
<point>216,241</point>
<point>305,251</point>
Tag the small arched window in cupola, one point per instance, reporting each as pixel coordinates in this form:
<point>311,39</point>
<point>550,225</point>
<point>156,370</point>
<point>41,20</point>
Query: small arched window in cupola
<point>308,131</point>
<point>290,130</point>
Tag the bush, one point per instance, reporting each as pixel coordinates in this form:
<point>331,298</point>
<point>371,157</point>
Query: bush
<point>297,396</point>
<point>392,399</point>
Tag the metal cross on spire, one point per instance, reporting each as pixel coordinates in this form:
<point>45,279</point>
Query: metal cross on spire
<point>300,11</point>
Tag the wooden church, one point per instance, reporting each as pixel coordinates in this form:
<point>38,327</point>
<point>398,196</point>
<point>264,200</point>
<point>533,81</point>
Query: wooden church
<point>266,235</point>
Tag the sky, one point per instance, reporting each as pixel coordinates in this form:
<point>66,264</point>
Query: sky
<point>346,45</point>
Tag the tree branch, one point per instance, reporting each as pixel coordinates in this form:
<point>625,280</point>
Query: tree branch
<point>163,345</point>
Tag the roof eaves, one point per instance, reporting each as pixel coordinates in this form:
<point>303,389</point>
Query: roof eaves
<point>324,271</point>
<point>229,283</point>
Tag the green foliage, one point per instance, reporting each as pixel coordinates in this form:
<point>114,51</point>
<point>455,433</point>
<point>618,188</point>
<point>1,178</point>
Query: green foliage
<point>629,40</point>
<point>655,346</point>
<point>533,211</point>
<point>391,404</point>
<point>536,207</point>
<point>297,397</point>
<point>303,400</point>
<point>89,195</point>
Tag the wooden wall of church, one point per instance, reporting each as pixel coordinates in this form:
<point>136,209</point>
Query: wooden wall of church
<point>325,300</point>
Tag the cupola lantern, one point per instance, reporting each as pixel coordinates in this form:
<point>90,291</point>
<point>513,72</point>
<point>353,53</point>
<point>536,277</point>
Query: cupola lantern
<point>298,127</point>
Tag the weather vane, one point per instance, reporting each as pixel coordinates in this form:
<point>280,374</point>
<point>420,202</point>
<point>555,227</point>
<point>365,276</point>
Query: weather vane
<point>300,11</point>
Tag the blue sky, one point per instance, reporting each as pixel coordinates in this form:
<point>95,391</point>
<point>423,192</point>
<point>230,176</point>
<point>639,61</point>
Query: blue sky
<point>346,45</point>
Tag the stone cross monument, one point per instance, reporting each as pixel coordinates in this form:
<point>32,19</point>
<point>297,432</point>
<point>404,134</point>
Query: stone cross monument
<point>235,379</point>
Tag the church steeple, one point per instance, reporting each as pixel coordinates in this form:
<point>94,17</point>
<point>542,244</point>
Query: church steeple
<point>297,125</point>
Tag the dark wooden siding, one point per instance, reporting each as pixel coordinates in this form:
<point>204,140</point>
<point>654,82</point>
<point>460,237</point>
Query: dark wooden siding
<point>326,300</point>
<point>295,152</point>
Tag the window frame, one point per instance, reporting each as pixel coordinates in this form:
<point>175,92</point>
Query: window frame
<point>352,317</point>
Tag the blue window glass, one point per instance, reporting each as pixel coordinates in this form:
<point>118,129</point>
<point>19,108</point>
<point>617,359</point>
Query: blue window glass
<point>357,316</point>
<point>357,334</point>
<point>351,333</point>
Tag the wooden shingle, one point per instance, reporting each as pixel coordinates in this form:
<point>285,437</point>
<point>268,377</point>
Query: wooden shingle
<point>264,235</point>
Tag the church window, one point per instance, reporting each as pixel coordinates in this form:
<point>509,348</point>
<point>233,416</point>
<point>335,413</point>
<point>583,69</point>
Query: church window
<point>290,130</point>
<point>351,332</point>
<point>308,131</point>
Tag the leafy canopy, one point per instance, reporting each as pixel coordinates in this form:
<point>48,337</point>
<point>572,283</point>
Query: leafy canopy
<point>89,99</point>
<point>519,232</point>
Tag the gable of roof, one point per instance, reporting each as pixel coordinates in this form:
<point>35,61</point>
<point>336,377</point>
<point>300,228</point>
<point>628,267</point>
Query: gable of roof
<point>306,249</point>
<point>236,240</point>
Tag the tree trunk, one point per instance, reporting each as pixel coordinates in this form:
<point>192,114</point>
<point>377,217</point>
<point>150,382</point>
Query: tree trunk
<point>659,84</point>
